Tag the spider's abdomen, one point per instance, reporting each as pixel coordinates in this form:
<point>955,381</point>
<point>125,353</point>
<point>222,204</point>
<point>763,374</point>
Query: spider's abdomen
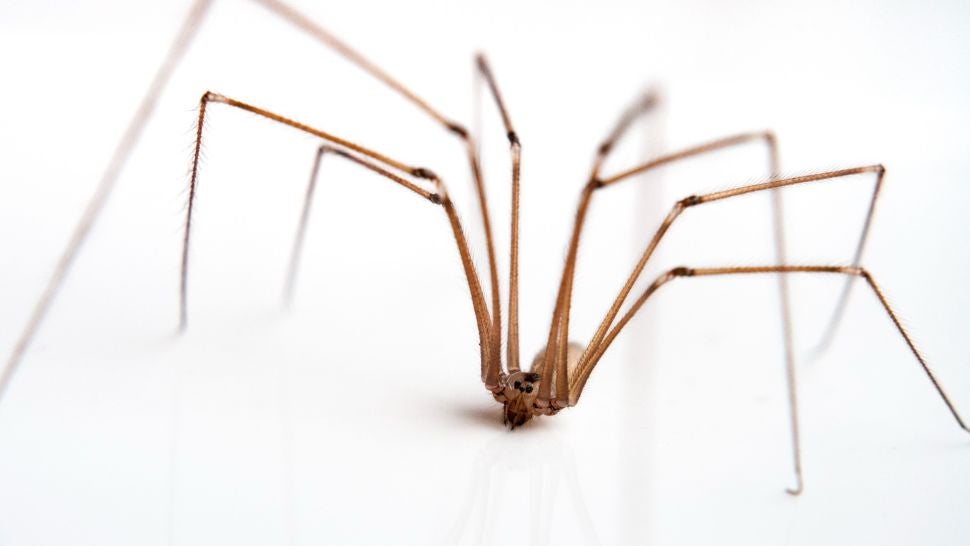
<point>574,351</point>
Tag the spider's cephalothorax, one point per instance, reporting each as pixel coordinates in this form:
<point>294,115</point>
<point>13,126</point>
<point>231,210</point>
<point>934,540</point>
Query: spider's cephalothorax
<point>519,390</point>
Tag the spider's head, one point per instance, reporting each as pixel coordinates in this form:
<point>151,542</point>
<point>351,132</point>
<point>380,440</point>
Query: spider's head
<point>521,389</point>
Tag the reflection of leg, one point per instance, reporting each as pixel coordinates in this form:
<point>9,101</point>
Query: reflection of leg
<point>478,497</point>
<point>471,499</point>
<point>515,148</point>
<point>284,423</point>
<point>535,464</point>
<point>493,495</point>
<point>558,336</point>
<point>583,519</point>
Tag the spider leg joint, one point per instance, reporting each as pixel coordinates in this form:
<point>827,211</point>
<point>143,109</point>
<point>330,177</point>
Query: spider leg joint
<point>421,172</point>
<point>458,129</point>
<point>211,96</point>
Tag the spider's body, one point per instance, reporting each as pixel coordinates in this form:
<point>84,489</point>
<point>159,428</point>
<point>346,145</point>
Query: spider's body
<point>519,391</point>
<point>518,395</point>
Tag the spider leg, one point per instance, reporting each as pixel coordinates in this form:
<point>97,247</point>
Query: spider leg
<point>594,350</point>
<point>515,149</point>
<point>559,330</point>
<point>852,271</point>
<point>379,164</point>
<point>129,139</point>
<point>300,21</point>
<point>672,216</point>
<point>297,249</point>
<point>833,325</point>
<point>92,211</point>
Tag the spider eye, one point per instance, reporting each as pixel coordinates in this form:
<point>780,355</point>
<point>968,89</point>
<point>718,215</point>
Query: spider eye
<point>517,384</point>
<point>528,388</point>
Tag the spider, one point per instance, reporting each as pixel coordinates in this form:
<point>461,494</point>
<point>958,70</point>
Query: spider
<point>559,372</point>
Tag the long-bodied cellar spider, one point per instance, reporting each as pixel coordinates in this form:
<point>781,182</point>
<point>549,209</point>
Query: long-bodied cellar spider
<point>566,371</point>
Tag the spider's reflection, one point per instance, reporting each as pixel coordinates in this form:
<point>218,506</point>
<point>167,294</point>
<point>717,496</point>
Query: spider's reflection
<point>523,490</point>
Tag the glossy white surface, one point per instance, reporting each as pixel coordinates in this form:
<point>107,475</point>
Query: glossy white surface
<point>358,417</point>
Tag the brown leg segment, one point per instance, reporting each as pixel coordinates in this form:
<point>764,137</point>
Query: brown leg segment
<point>776,269</point>
<point>297,250</point>
<point>379,164</point>
<point>108,179</point>
<point>791,379</point>
<point>515,148</point>
<point>787,330</point>
<point>128,140</point>
<point>322,35</point>
<point>674,213</point>
<point>836,317</point>
<point>558,340</point>
<point>559,331</point>
<point>596,347</point>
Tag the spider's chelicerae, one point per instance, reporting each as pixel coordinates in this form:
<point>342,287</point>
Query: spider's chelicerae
<point>557,375</point>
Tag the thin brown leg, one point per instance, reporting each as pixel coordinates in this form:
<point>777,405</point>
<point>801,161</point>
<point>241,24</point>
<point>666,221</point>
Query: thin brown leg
<point>839,311</point>
<point>297,19</point>
<point>856,272</point>
<point>322,35</point>
<point>108,179</point>
<point>558,340</point>
<point>596,348</point>
<point>559,331</point>
<point>297,250</point>
<point>379,164</point>
<point>583,375</point>
<point>791,378</point>
<point>674,213</point>
<point>515,148</point>
<point>128,140</point>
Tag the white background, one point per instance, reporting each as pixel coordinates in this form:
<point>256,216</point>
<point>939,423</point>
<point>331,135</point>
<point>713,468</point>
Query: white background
<point>358,417</point>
